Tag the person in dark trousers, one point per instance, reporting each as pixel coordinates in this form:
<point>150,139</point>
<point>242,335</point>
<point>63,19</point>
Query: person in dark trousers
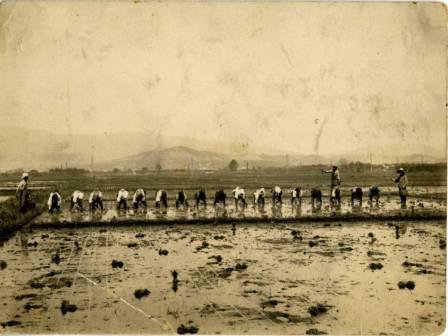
<point>181,199</point>
<point>402,182</point>
<point>22,192</point>
<point>200,197</point>
<point>296,196</point>
<point>139,199</point>
<point>161,199</point>
<point>259,195</point>
<point>122,199</point>
<point>276,196</point>
<point>220,198</point>
<point>239,196</point>
<point>335,192</point>
<point>96,200</point>
<point>374,196</point>
<point>76,201</point>
<point>54,201</point>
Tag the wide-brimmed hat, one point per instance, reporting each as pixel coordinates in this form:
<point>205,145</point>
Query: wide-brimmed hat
<point>400,170</point>
<point>24,175</point>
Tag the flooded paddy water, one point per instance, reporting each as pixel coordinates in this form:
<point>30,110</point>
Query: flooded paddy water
<point>388,206</point>
<point>357,270</point>
<point>287,278</point>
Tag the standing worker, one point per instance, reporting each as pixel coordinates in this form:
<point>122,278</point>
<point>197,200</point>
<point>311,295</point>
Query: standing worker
<point>22,190</point>
<point>335,182</point>
<point>402,183</point>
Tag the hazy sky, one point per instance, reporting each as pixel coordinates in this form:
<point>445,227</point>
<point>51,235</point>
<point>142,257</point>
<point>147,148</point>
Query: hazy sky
<point>303,77</point>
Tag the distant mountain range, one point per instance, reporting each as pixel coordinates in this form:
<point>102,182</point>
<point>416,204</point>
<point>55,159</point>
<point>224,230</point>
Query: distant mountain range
<point>31,149</point>
<point>182,157</point>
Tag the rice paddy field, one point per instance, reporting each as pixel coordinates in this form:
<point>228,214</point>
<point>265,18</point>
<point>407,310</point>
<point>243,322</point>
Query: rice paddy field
<point>361,270</point>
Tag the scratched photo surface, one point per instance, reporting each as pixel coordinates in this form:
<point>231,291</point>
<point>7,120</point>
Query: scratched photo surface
<point>222,167</point>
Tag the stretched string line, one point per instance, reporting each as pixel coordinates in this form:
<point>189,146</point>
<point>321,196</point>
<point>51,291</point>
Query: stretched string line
<point>258,310</point>
<point>66,266</point>
<point>80,260</point>
<point>234,308</point>
<point>211,303</point>
<point>165,325</point>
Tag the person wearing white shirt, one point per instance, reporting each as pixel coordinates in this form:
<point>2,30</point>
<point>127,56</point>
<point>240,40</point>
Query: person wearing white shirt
<point>161,198</point>
<point>276,195</point>
<point>402,184</point>
<point>296,196</point>
<point>22,191</point>
<point>122,199</point>
<point>139,199</point>
<point>96,200</point>
<point>76,200</point>
<point>259,197</point>
<point>239,195</point>
<point>54,201</point>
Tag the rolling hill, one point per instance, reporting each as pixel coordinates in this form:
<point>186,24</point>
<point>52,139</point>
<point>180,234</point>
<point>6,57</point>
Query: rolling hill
<point>31,149</point>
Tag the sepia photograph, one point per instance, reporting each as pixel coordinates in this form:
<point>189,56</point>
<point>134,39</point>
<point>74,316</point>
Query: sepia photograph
<point>224,167</point>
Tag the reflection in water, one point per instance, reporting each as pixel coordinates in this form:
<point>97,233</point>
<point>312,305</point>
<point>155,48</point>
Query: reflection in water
<point>400,230</point>
<point>96,215</point>
<point>307,208</point>
<point>22,241</point>
<point>297,210</point>
<point>263,248</point>
<point>277,211</point>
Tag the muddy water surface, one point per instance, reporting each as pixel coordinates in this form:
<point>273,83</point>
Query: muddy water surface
<point>388,205</point>
<point>262,279</point>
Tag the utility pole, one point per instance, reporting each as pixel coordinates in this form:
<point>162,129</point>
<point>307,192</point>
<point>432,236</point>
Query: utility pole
<point>370,161</point>
<point>92,160</point>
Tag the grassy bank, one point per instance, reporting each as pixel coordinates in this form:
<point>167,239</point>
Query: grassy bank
<point>11,219</point>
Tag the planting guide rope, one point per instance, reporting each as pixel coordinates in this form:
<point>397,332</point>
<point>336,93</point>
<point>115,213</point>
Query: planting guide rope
<point>234,308</point>
<point>90,294</point>
<point>75,276</point>
<point>66,266</point>
<point>247,301</point>
<point>211,303</point>
<point>165,325</point>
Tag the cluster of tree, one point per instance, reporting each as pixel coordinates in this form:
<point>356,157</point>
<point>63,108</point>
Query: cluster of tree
<point>69,171</point>
<point>233,165</point>
<point>424,167</point>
